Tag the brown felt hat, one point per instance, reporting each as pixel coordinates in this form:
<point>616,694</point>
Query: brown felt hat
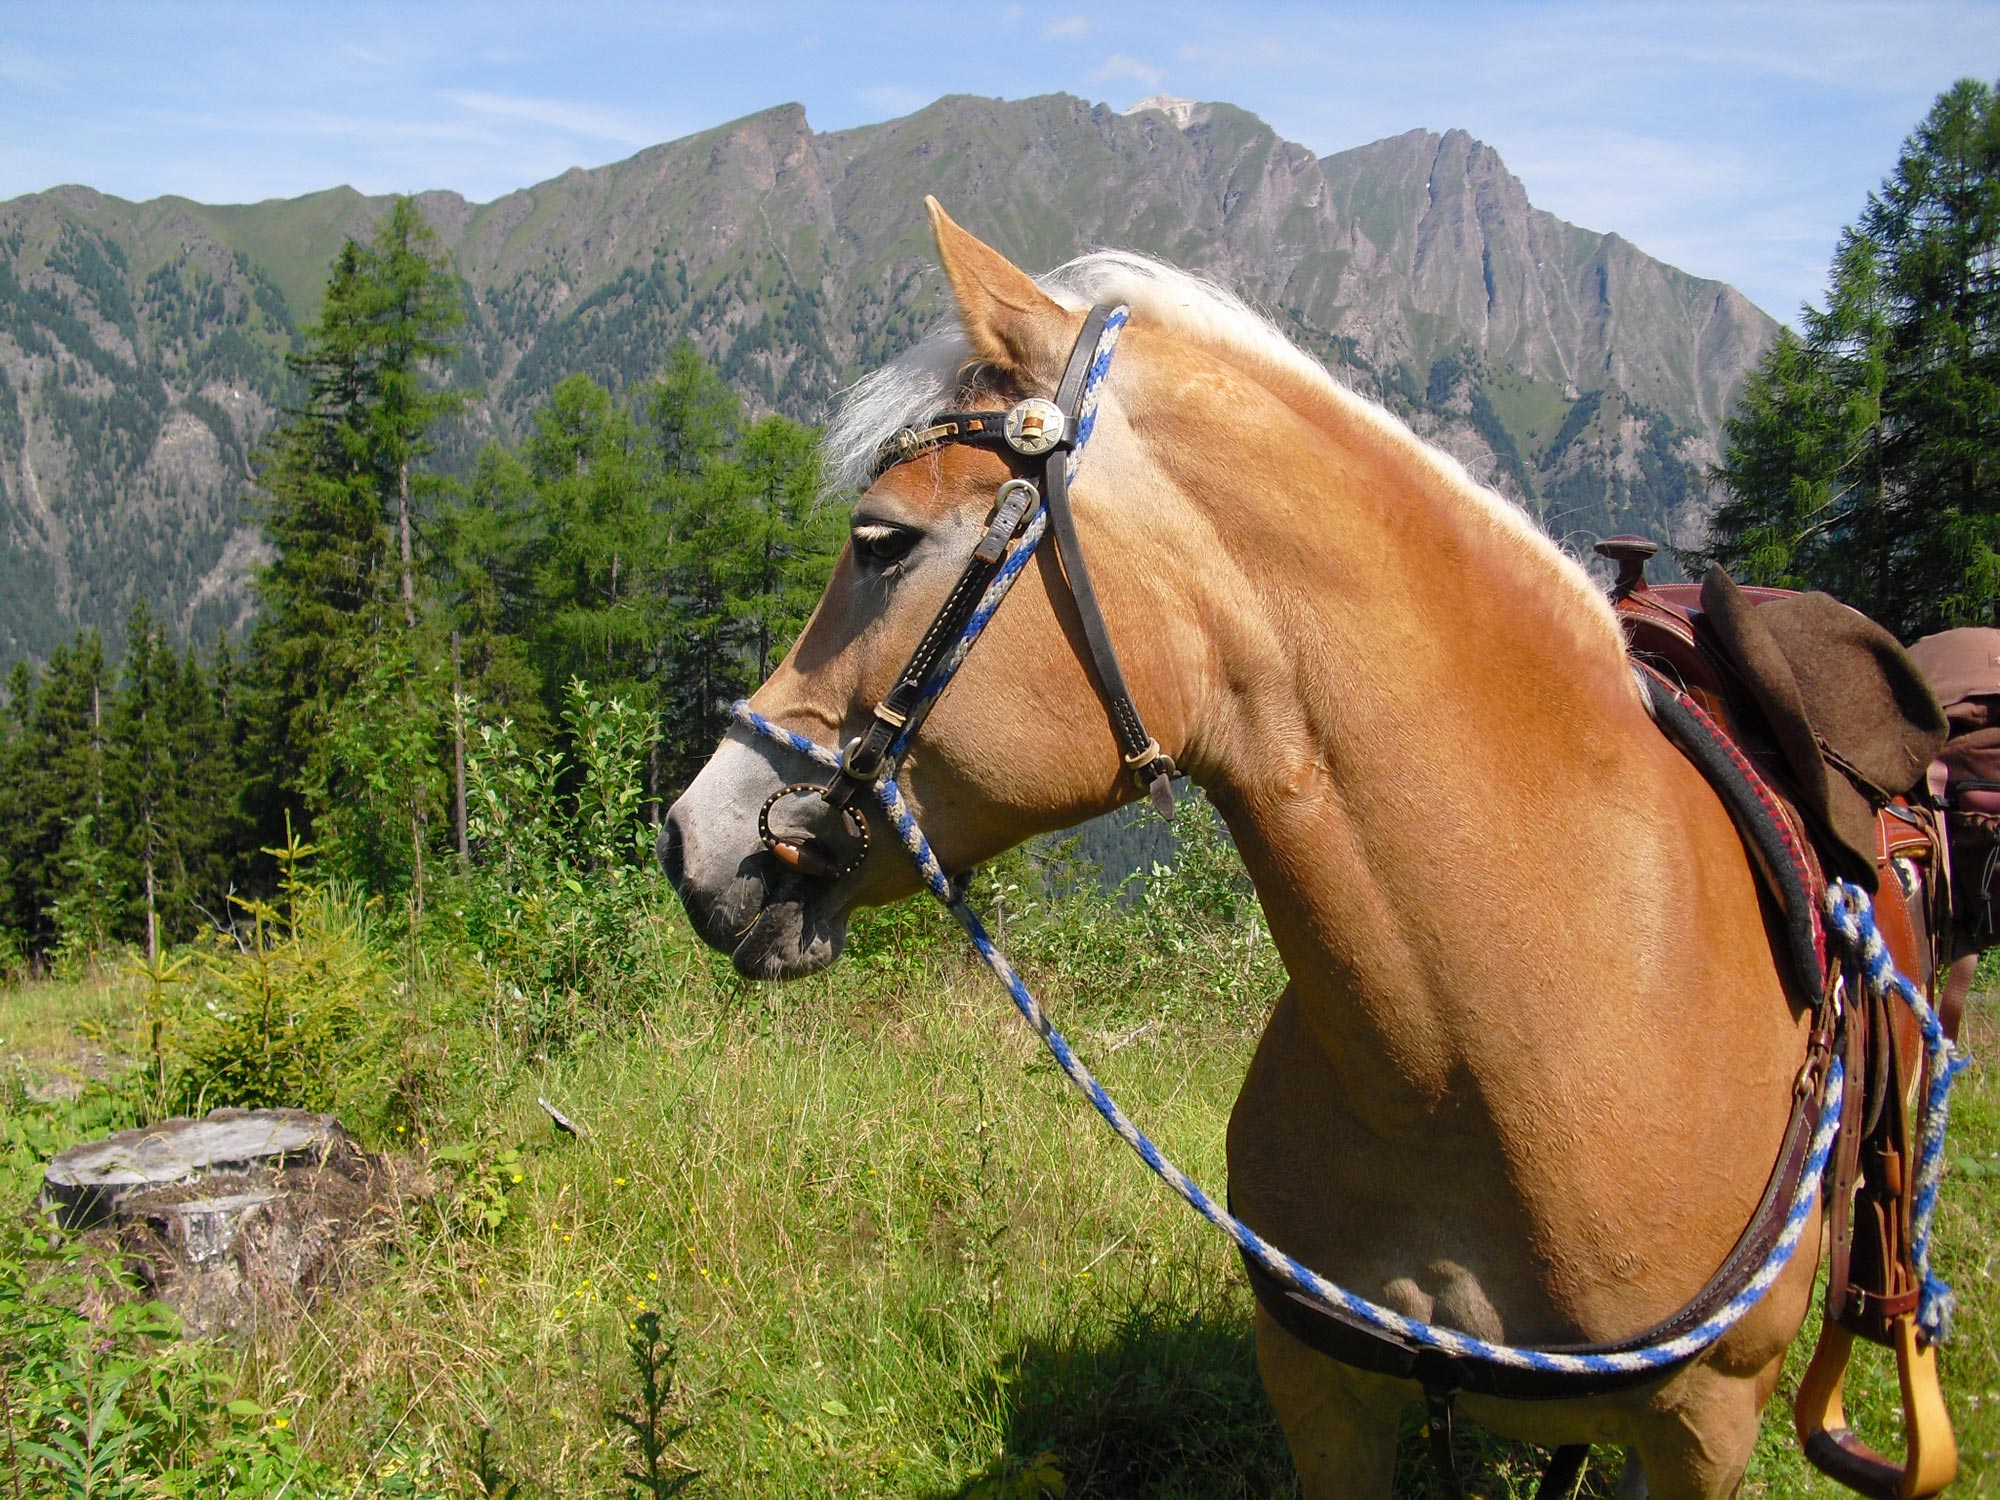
<point>1851,712</point>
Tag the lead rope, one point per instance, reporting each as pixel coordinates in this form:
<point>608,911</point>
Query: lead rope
<point>1847,909</point>
<point>1295,1275</point>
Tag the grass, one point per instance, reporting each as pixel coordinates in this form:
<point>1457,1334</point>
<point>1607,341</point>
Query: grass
<point>897,1255</point>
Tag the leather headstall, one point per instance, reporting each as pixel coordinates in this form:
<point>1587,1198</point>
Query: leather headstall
<point>1036,436</point>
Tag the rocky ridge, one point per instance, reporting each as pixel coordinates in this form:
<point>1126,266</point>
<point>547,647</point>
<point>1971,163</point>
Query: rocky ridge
<point>141,344</point>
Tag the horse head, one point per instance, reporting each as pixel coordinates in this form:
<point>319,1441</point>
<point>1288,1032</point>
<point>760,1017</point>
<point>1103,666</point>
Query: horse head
<point>1021,743</point>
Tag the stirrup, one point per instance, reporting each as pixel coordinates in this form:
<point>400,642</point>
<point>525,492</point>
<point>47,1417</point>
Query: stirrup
<point>1930,1457</point>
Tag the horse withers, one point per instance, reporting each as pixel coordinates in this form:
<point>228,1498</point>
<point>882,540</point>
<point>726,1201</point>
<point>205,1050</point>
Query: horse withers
<point>1537,1051</point>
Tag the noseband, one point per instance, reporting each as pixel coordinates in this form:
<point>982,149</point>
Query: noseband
<point>1042,439</point>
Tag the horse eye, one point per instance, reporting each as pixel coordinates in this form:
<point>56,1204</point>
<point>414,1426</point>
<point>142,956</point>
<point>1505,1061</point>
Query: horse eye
<point>879,546</point>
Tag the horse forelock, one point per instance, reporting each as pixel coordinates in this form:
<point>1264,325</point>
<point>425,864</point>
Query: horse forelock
<point>938,374</point>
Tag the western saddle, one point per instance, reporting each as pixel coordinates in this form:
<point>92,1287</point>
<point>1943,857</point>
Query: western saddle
<point>1698,640</point>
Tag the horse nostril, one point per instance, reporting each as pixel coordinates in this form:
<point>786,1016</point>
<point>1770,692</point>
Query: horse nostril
<point>673,854</point>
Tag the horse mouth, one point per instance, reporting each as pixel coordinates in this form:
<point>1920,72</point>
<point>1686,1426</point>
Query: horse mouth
<point>790,935</point>
<point>777,905</point>
<point>772,919</point>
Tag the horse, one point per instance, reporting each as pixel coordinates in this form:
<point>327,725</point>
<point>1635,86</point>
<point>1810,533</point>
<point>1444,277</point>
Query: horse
<point>1537,1048</point>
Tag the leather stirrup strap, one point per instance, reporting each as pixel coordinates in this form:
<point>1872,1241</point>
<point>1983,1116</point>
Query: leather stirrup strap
<point>1437,1426</point>
<point>1957,988</point>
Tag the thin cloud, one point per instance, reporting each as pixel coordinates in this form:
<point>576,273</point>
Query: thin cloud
<point>31,71</point>
<point>1122,65</point>
<point>893,98</point>
<point>1068,27</point>
<point>559,114</point>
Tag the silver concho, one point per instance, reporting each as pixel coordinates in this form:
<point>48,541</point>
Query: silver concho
<point>1034,427</point>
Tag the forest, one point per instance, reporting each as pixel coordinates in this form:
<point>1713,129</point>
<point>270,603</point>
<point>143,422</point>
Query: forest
<point>653,548</point>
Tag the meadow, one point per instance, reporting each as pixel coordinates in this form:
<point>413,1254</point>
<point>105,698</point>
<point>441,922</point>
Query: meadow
<point>851,1236</point>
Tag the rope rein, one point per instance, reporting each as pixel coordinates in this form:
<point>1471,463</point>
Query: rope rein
<point>1848,906</point>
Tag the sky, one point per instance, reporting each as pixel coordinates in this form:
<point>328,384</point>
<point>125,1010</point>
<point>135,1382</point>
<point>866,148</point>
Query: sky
<point>1732,140</point>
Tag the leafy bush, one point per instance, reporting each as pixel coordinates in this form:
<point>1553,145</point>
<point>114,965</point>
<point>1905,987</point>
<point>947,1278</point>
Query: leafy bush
<point>563,880</point>
<point>1187,938</point>
<point>101,1396</point>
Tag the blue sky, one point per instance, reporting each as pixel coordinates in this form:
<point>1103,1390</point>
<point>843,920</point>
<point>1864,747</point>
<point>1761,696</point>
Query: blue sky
<point>1732,140</point>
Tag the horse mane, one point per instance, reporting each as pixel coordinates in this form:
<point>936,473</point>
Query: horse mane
<point>938,374</point>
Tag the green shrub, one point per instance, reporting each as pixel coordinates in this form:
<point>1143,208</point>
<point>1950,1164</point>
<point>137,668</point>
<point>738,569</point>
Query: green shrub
<point>296,1010</point>
<point>101,1396</point>
<point>564,893</point>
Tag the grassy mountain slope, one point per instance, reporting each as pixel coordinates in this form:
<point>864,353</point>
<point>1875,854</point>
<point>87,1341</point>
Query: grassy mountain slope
<point>141,344</point>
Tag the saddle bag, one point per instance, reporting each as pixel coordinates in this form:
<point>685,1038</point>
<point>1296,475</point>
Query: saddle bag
<point>1963,669</point>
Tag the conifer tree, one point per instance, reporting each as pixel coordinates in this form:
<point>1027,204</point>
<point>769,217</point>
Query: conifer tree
<point>341,488</point>
<point>695,421</point>
<point>57,860</point>
<point>1864,455</point>
<point>413,318</point>
<point>601,545</point>
<point>172,789</point>
<point>488,541</point>
<point>791,537</point>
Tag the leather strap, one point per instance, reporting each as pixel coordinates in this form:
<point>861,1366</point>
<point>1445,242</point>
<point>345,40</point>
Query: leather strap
<point>1751,807</point>
<point>1437,1427</point>
<point>979,429</point>
<point>1141,753</point>
<point>905,706</point>
<point>903,709</point>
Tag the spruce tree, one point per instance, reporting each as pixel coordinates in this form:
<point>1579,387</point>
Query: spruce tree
<point>1864,455</point>
<point>62,884</point>
<point>413,319</point>
<point>341,487</point>
<point>172,785</point>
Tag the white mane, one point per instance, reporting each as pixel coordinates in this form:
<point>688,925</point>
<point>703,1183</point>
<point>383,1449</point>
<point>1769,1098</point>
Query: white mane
<point>924,381</point>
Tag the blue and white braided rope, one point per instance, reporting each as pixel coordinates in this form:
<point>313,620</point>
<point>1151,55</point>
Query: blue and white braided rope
<point>1290,1272</point>
<point>1853,917</point>
<point>1298,1277</point>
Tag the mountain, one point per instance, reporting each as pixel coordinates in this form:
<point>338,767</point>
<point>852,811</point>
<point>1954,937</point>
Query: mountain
<point>141,344</point>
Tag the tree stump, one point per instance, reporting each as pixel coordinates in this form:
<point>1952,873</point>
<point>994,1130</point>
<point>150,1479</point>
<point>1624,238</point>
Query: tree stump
<point>231,1217</point>
<point>86,1182</point>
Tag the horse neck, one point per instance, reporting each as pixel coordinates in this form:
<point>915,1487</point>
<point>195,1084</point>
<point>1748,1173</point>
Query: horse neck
<point>1417,696</point>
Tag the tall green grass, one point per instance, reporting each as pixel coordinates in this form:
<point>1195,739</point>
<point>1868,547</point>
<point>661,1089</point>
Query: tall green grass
<point>890,1253</point>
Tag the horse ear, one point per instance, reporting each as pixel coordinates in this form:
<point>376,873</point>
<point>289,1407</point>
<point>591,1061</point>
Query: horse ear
<point>1009,320</point>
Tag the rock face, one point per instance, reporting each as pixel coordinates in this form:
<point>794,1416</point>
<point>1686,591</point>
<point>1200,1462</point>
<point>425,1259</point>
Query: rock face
<point>141,344</point>
<point>230,1219</point>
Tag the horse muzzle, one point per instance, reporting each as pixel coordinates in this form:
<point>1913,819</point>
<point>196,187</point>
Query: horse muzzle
<point>762,865</point>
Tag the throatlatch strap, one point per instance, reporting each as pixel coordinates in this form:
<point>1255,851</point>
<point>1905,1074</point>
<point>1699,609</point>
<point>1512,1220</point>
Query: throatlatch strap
<point>1154,770</point>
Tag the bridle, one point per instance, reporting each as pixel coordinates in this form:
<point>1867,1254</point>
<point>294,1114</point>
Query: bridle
<point>1041,439</point>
